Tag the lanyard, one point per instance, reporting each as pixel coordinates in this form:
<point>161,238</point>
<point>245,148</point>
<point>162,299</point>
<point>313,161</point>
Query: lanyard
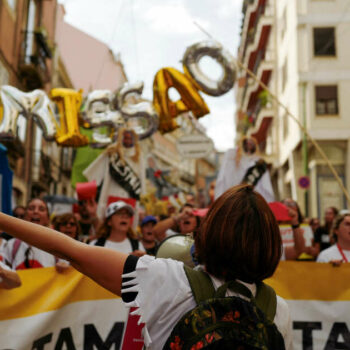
<point>342,253</point>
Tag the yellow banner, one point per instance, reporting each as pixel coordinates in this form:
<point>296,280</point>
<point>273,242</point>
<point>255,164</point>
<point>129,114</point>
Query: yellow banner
<point>311,281</point>
<point>45,290</point>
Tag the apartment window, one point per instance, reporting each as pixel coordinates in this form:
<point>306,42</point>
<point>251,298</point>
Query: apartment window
<point>324,41</point>
<point>30,30</point>
<point>12,4</point>
<point>326,100</point>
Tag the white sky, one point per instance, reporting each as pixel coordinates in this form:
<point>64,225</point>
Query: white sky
<point>154,34</point>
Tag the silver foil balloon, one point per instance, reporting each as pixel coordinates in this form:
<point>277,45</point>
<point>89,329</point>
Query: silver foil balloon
<point>128,91</point>
<point>44,112</point>
<point>143,117</point>
<point>138,113</point>
<point>28,104</point>
<point>211,48</point>
<point>97,111</point>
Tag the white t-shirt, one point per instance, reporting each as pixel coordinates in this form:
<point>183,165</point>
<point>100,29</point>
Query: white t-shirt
<point>123,246</point>
<point>164,296</point>
<point>332,253</point>
<point>34,256</point>
<point>2,249</point>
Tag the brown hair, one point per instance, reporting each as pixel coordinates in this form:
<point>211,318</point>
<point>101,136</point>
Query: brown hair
<point>336,223</point>
<point>105,231</point>
<point>63,219</point>
<point>240,238</point>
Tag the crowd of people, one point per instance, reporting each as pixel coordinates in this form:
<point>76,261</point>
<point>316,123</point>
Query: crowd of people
<point>231,240</point>
<point>330,242</point>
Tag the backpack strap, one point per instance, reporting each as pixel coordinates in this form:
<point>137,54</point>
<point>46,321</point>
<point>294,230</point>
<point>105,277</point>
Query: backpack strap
<point>16,245</point>
<point>266,300</point>
<point>235,287</point>
<point>101,242</point>
<point>134,244</point>
<point>200,283</point>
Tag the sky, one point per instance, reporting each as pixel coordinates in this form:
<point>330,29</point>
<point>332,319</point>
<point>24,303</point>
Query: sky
<point>154,34</point>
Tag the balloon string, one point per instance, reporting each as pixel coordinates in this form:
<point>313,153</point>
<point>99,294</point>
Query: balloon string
<point>276,99</point>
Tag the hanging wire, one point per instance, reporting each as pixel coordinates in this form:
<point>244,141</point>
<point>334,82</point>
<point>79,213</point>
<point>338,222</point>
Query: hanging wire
<point>109,42</point>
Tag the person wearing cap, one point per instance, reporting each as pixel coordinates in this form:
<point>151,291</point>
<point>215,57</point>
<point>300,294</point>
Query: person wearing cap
<point>116,232</point>
<point>148,239</point>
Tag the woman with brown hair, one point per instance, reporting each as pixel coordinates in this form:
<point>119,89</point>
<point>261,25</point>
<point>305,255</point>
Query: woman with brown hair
<point>239,240</point>
<point>68,224</point>
<point>116,232</point>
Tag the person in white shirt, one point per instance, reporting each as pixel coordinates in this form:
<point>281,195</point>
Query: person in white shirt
<point>116,232</point>
<point>340,251</point>
<point>18,254</point>
<point>8,278</point>
<point>239,240</point>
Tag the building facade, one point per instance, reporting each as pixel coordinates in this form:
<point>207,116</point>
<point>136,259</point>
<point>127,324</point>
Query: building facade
<point>38,50</point>
<point>27,35</point>
<point>298,48</point>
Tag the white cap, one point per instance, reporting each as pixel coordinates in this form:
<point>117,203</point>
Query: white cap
<point>116,206</point>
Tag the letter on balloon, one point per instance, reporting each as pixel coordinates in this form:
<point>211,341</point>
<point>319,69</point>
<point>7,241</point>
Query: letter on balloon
<point>190,100</point>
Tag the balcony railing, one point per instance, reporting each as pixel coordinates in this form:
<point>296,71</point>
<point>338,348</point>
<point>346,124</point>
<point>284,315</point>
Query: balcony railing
<point>33,68</point>
<point>252,31</point>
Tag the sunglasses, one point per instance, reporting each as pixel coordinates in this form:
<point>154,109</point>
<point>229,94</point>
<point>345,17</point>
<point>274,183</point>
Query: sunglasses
<point>69,223</point>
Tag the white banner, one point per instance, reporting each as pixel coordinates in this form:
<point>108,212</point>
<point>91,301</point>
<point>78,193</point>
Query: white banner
<point>68,311</point>
<point>52,311</point>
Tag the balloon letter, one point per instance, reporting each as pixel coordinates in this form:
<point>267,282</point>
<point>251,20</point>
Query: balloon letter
<point>97,112</point>
<point>192,70</point>
<point>29,104</point>
<point>142,116</point>
<point>167,109</point>
<point>68,102</point>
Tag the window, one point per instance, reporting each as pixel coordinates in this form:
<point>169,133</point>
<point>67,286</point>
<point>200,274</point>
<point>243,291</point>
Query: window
<point>30,30</point>
<point>12,4</point>
<point>326,100</point>
<point>324,41</point>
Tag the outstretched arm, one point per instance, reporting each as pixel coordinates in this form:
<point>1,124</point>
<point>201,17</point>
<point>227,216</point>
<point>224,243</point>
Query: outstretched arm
<point>103,265</point>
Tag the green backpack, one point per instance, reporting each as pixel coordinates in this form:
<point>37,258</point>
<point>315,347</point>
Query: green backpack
<point>219,322</point>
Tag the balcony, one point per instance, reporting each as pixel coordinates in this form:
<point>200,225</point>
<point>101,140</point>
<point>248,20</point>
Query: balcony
<point>254,26</point>
<point>33,69</point>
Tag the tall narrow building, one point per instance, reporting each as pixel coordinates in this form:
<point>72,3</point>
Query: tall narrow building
<point>299,49</point>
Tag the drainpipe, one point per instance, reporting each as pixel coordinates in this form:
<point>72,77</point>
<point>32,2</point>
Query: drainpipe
<point>305,150</point>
